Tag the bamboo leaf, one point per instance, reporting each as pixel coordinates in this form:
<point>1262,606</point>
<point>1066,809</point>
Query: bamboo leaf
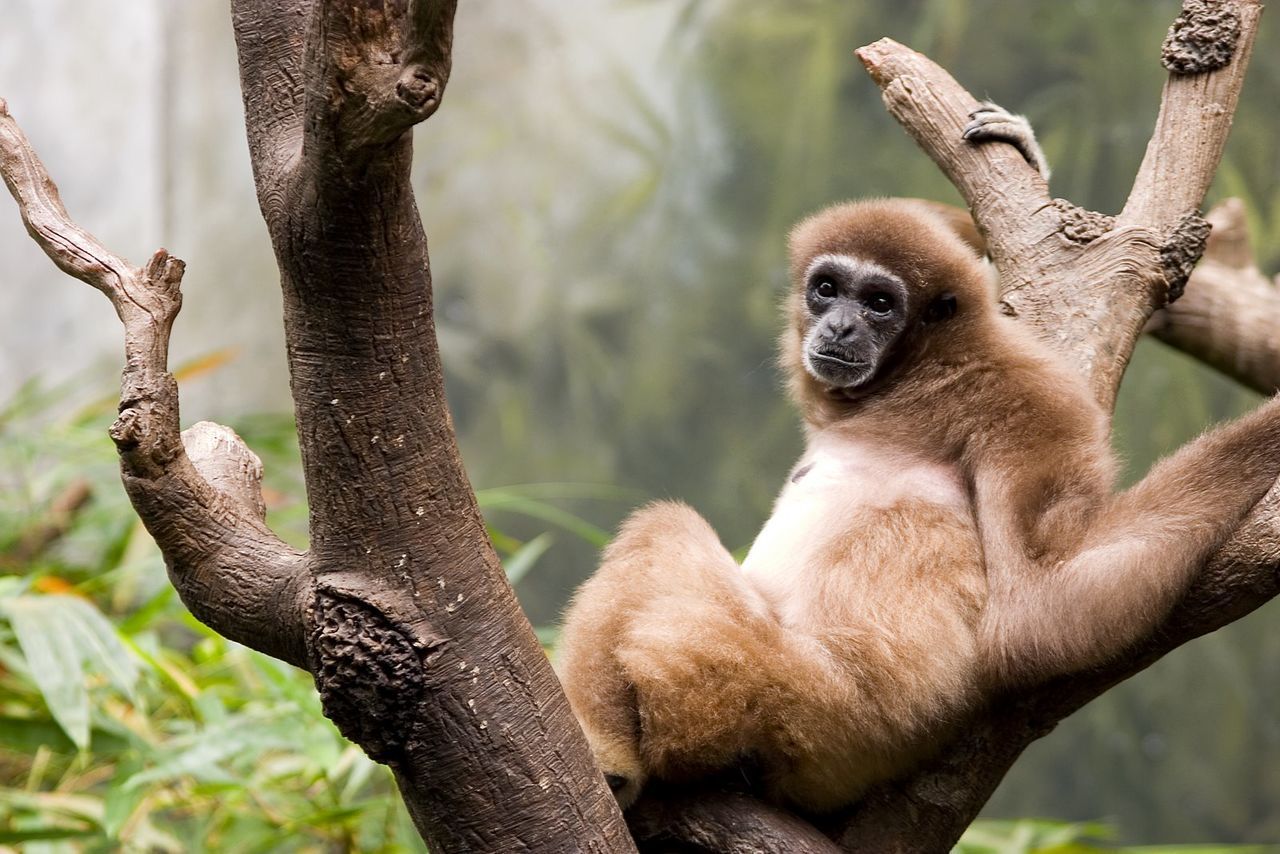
<point>519,564</point>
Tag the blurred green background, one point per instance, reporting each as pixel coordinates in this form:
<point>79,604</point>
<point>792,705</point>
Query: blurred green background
<point>607,191</point>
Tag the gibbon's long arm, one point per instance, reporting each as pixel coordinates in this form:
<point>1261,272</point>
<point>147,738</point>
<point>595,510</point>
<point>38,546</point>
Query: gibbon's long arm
<point>1077,574</point>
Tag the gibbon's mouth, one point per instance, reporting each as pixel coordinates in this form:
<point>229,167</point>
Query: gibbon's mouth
<point>835,359</point>
<point>837,368</point>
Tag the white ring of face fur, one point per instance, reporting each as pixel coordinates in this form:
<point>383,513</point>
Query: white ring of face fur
<point>854,268</point>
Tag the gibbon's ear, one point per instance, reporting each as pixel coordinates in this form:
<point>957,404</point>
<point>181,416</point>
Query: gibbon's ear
<point>941,308</point>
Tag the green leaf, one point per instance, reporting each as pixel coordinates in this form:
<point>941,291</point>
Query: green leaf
<point>500,500</point>
<point>101,646</point>
<point>55,662</point>
<point>519,564</point>
<point>37,834</point>
<point>63,638</point>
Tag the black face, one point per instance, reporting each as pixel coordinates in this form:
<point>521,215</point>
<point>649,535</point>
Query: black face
<point>857,311</point>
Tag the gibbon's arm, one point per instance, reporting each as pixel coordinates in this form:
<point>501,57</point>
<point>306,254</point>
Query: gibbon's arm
<point>1076,574</point>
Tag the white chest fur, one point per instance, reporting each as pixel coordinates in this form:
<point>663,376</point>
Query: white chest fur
<point>838,480</point>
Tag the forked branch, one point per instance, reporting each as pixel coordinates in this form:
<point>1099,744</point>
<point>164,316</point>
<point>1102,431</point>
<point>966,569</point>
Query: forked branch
<point>232,572</point>
<point>1087,284</point>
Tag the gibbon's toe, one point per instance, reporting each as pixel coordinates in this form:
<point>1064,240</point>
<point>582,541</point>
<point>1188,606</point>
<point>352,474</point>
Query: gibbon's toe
<point>619,760</point>
<point>992,123</point>
<point>625,789</point>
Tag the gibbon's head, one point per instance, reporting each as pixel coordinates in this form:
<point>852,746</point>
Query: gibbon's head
<point>872,283</point>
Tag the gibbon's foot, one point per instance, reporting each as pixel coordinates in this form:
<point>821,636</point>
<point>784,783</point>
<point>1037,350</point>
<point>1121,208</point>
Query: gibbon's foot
<point>992,123</point>
<point>621,766</point>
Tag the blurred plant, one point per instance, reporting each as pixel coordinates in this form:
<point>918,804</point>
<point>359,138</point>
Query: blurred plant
<point>1038,836</point>
<point>124,723</point>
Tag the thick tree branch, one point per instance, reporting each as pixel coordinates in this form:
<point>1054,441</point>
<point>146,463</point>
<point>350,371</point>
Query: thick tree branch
<point>684,820</point>
<point>228,567</point>
<point>419,649</point>
<point>1109,273</point>
<point>1227,316</point>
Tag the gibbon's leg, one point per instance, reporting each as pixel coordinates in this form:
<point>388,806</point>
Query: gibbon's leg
<point>1139,554</point>
<point>668,655</point>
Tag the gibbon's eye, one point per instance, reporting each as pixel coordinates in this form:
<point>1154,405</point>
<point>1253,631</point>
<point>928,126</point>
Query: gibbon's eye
<point>940,309</point>
<point>880,302</point>
<point>825,288</point>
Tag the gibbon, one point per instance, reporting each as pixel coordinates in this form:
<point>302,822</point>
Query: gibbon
<point>951,531</point>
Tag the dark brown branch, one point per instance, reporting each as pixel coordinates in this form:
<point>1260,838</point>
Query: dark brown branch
<point>419,649</point>
<point>374,71</point>
<point>701,822</point>
<point>228,567</point>
<point>268,36</point>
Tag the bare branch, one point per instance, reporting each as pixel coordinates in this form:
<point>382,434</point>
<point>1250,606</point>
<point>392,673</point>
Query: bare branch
<point>75,251</point>
<point>1207,52</point>
<point>232,572</point>
<point>1109,274</point>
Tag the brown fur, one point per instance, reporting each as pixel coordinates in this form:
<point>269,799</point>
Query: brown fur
<point>951,529</point>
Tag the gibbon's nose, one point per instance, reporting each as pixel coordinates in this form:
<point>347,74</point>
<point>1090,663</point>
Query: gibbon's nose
<point>842,329</point>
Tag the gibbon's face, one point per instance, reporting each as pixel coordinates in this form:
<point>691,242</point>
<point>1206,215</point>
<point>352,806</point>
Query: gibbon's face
<point>857,311</point>
<point>866,277</point>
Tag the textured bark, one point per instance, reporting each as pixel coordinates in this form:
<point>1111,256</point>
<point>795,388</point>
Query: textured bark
<point>1228,316</point>
<point>401,610</point>
<point>684,821</point>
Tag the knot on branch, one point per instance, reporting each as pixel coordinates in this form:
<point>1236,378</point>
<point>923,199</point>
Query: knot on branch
<point>1202,38</point>
<point>419,90</point>
<point>1181,250</point>
<point>227,464</point>
<point>146,430</point>
<point>1080,225</point>
<point>368,673</point>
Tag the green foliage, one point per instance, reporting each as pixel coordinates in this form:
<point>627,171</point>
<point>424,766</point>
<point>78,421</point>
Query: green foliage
<point>124,723</point>
<point>1037,836</point>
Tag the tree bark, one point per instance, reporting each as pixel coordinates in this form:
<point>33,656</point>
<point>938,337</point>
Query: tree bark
<point>400,608</point>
